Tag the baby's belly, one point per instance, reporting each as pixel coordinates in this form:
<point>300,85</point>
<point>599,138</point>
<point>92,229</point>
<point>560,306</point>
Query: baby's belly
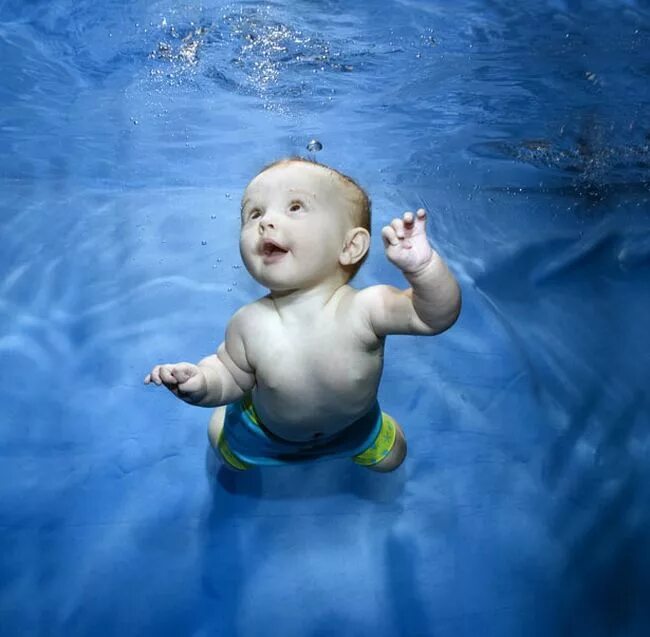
<point>303,410</point>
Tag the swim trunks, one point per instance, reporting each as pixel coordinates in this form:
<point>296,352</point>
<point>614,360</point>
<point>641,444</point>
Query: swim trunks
<point>244,441</point>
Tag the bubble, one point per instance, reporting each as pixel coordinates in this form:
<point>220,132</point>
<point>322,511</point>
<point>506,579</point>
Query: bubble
<point>314,146</point>
<point>213,216</point>
<point>204,243</point>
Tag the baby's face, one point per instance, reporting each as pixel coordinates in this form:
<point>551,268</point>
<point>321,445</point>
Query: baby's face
<point>294,220</point>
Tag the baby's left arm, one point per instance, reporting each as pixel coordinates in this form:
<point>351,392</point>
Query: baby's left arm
<point>432,303</point>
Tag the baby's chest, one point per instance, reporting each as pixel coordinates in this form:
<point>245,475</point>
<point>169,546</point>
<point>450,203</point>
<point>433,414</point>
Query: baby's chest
<point>309,356</point>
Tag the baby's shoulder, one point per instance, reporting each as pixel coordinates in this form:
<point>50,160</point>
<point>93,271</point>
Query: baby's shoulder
<point>248,312</point>
<point>250,316</point>
<point>353,311</point>
<point>356,301</point>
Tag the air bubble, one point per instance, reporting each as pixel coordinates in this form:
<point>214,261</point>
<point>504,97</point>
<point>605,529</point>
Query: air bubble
<point>314,146</point>
<point>204,243</point>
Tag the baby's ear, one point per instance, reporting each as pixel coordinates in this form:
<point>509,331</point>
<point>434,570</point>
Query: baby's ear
<point>355,246</point>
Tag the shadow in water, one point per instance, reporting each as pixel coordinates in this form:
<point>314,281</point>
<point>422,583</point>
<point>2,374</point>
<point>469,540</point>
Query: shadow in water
<point>602,519</point>
<point>402,568</point>
<point>313,480</point>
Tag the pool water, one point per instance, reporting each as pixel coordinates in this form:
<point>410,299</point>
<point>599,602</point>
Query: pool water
<point>128,131</point>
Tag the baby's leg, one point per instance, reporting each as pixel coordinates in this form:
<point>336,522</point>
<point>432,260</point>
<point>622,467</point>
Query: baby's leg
<point>215,427</point>
<point>395,456</point>
<point>214,434</point>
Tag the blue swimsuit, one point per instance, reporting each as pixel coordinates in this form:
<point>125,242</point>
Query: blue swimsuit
<point>245,441</point>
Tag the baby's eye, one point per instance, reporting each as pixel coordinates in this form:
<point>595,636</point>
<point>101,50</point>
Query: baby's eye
<point>254,213</point>
<point>295,206</point>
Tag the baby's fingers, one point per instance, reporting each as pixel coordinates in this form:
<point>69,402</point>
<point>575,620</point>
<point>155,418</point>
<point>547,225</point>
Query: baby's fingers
<point>183,372</point>
<point>389,236</point>
<point>192,385</point>
<point>398,225</point>
<point>153,376</point>
<point>167,376</point>
<point>409,220</point>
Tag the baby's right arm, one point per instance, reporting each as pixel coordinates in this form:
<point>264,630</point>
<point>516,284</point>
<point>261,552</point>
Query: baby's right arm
<point>218,379</point>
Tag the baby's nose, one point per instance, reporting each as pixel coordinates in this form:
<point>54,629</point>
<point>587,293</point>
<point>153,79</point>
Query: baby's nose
<point>269,220</point>
<point>266,223</point>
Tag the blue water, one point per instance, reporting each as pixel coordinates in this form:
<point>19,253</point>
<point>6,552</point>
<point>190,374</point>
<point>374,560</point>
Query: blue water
<point>127,133</point>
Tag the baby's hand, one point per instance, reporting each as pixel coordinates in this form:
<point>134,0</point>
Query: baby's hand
<point>184,380</point>
<point>406,243</point>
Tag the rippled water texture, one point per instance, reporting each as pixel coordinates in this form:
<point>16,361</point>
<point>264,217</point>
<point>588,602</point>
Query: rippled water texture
<point>128,131</point>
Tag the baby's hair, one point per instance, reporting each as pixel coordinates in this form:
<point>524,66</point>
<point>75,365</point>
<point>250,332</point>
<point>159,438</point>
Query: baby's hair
<point>362,212</point>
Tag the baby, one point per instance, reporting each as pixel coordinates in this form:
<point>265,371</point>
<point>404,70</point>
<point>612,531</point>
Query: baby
<point>296,377</point>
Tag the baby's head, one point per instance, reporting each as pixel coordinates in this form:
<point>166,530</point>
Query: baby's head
<point>303,223</point>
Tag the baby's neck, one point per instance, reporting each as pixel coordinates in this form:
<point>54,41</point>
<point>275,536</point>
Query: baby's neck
<point>305,304</point>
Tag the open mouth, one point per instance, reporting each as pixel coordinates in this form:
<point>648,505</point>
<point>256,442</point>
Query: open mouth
<point>272,250</point>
